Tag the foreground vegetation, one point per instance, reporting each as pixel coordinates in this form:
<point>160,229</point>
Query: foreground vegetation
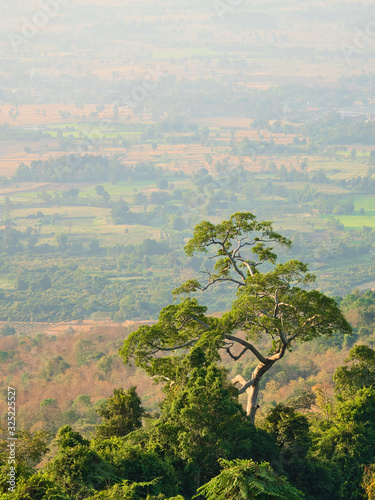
<point>201,427</point>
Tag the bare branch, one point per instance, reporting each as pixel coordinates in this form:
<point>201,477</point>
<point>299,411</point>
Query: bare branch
<point>310,320</point>
<point>245,384</point>
<point>283,337</point>
<point>183,324</point>
<point>221,279</point>
<point>285,304</point>
<point>233,356</point>
<point>238,379</point>
<point>200,322</point>
<point>171,382</point>
<point>248,346</point>
<point>248,266</point>
<point>182,346</point>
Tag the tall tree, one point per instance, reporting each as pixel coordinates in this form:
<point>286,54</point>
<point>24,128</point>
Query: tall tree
<point>122,413</point>
<point>349,440</point>
<point>272,303</point>
<point>360,374</point>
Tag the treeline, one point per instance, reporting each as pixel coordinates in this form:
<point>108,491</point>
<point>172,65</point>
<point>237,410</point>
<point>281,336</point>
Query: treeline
<point>21,134</point>
<point>333,129</point>
<point>86,168</point>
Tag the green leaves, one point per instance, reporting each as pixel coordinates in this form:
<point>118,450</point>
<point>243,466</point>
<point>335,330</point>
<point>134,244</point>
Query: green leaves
<point>291,431</point>
<point>38,486</point>
<point>361,373</point>
<point>271,303</point>
<point>139,464</point>
<point>180,326</point>
<point>349,442</point>
<point>188,287</point>
<point>122,413</point>
<point>203,233</point>
<point>202,420</point>
<point>247,480</point>
<point>77,468</point>
<point>240,231</point>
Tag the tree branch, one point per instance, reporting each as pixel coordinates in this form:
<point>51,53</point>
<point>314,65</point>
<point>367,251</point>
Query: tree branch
<point>221,279</point>
<point>182,346</point>
<point>171,382</point>
<point>248,346</point>
<point>302,326</point>
<point>248,266</point>
<point>233,356</point>
<point>245,385</point>
<point>278,355</point>
<point>233,261</point>
<point>201,322</point>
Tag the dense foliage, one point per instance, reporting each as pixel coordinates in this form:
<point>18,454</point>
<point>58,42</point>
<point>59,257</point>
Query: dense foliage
<point>201,428</point>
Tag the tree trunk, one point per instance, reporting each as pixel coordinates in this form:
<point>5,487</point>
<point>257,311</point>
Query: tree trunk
<point>252,401</point>
<point>253,390</point>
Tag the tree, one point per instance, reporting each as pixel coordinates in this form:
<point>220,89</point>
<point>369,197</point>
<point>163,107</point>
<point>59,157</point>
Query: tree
<point>247,480</point>
<point>349,440</point>
<point>162,184</point>
<point>318,478</point>
<point>77,468</point>
<point>131,491</point>
<point>45,283</point>
<point>140,198</point>
<point>361,373</point>
<point>7,330</point>
<point>100,191</point>
<point>30,449</point>
<point>62,241</point>
<point>54,367</point>
<point>122,413</point>
<point>272,304</point>
<point>291,431</point>
<point>37,486</point>
<point>137,463</point>
<point>120,212</point>
<point>22,284</point>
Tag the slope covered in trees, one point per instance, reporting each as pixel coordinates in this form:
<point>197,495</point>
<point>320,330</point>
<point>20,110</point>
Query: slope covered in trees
<point>202,439</point>
<point>201,443</point>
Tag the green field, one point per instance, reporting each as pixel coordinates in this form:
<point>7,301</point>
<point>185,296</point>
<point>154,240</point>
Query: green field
<point>357,221</point>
